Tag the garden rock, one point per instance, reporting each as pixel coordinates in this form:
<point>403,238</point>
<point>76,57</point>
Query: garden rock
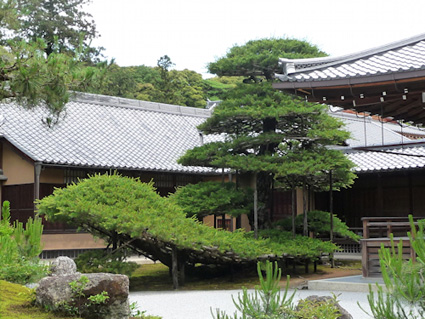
<point>63,266</point>
<point>320,299</point>
<point>54,292</point>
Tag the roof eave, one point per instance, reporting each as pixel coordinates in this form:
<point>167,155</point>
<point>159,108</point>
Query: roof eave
<point>387,77</point>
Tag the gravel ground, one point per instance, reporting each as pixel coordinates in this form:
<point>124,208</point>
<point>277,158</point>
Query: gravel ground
<point>198,304</point>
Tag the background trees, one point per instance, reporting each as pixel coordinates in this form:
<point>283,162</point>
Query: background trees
<point>27,74</point>
<point>62,24</point>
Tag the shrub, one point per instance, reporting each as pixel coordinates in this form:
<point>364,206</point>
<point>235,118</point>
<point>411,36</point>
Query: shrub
<point>103,261</point>
<point>19,249</point>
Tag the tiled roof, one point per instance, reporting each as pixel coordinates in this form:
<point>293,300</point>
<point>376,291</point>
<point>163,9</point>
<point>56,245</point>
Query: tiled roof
<point>366,131</point>
<point>402,56</point>
<point>107,132</point>
<point>388,159</point>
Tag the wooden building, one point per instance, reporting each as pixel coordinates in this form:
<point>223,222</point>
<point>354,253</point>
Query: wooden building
<point>96,134</point>
<point>387,85</point>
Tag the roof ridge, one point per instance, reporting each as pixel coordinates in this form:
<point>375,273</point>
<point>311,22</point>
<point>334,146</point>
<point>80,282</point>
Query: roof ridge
<point>323,62</point>
<point>139,104</point>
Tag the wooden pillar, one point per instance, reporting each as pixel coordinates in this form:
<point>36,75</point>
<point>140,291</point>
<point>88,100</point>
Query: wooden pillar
<point>37,173</point>
<point>331,213</point>
<point>379,197</point>
<point>255,206</point>
<point>409,176</point>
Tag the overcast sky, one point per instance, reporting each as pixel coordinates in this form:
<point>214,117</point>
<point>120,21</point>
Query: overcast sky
<point>195,32</point>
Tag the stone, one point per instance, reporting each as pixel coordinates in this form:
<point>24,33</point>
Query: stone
<point>319,299</point>
<point>55,291</point>
<point>62,266</point>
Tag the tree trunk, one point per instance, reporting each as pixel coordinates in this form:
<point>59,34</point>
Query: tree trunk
<point>294,213</point>
<point>255,207</point>
<point>175,268</point>
<point>305,224</point>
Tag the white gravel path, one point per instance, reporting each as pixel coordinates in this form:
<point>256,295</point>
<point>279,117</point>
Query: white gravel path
<point>198,304</point>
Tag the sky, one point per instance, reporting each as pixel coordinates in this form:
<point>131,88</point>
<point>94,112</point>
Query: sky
<point>195,32</point>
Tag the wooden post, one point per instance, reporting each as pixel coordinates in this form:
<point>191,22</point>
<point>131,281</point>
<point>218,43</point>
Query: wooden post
<point>294,213</point>
<point>255,207</point>
<point>331,212</point>
<point>305,223</point>
<point>175,268</point>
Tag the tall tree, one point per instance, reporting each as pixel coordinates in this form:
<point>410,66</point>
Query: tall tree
<point>62,24</point>
<point>31,78</point>
<point>265,129</point>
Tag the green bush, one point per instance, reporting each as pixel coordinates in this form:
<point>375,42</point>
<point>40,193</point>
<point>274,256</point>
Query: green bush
<point>19,249</point>
<point>103,261</point>
<point>318,224</point>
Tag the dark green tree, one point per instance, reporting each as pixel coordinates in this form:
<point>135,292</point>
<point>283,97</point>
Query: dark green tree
<point>260,58</point>
<point>266,131</point>
<point>31,78</point>
<point>63,25</point>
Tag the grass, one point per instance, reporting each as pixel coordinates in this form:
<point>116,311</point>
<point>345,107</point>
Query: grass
<point>16,303</point>
<point>155,277</point>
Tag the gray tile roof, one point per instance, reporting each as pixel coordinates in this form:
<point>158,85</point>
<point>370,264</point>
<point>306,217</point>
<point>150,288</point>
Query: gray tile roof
<point>388,159</point>
<point>366,131</point>
<point>402,56</point>
<point>107,132</point>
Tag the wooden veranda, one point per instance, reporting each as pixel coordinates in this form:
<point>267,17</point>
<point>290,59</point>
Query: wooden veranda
<point>377,231</point>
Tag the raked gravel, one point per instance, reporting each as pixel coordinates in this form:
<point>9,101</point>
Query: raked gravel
<point>198,304</point>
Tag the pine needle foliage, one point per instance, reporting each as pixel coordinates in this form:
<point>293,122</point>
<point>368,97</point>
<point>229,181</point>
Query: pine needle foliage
<point>109,204</point>
<point>212,198</point>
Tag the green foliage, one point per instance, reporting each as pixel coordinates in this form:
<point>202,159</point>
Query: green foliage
<point>404,296</point>
<point>154,84</point>
<point>300,246</point>
<point>318,224</point>
<point>32,79</point>
<point>103,261</point>
<point>19,249</point>
<point>217,87</point>
<point>61,24</point>
<point>261,57</point>
<point>278,135</point>
<point>266,302</point>
<point>309,309</point>
<point>80,304</point>
<point>136,313</point>
<point>208,198</point>
<point>105,204</point>
<point>28,76</point>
